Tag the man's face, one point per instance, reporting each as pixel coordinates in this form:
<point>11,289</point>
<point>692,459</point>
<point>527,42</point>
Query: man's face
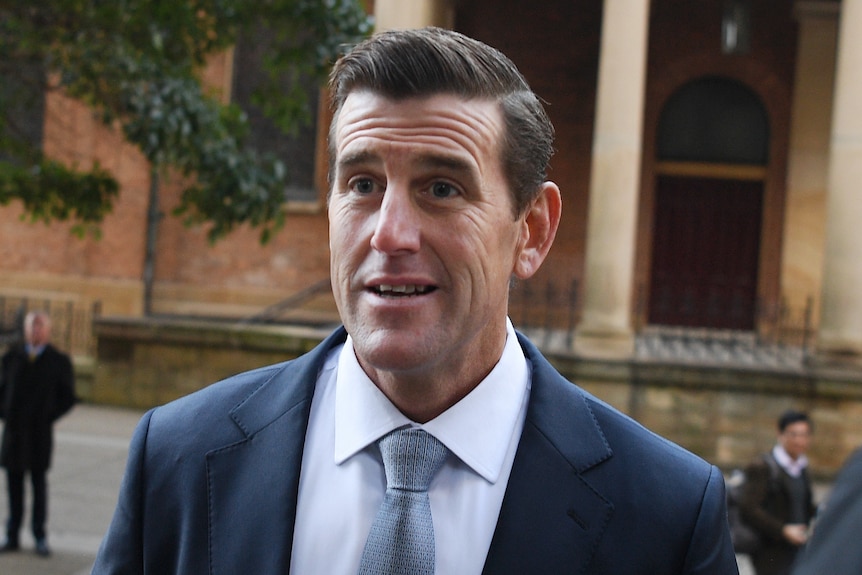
<point>422,233</point>
<point>38,331</point>
<point>796,439</point>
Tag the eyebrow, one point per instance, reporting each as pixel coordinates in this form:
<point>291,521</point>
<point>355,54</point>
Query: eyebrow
<point>427,161</point>
<point>357,158</point>
<point>449,163</point>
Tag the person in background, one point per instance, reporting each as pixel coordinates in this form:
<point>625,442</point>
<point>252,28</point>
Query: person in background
<point>427,409</point>
<point>777,499</point>
<point>37,387</point>
<point>833,548</point>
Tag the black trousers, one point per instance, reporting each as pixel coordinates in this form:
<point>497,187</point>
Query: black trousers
<point>15,485</point>
<point>774,559</point>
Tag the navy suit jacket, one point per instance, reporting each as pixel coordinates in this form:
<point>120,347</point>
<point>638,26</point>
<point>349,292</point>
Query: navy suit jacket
<point>212,480</point>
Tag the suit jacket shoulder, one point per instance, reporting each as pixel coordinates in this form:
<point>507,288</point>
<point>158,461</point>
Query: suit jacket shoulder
<point>216,473</point>
<point>593,491</point>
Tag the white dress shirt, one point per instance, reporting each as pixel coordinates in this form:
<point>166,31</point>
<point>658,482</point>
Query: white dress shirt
<point>793,467</point>
<point>342,481</point>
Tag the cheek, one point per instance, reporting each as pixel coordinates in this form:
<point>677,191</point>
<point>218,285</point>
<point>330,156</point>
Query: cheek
<point>348,248</point>
<point>338,252</point>
<point>341,229</point>
<point>492,259</point>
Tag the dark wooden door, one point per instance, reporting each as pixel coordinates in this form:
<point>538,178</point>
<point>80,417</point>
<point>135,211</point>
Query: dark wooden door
<point>706,245</point>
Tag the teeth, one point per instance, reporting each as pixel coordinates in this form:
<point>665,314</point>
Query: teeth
<point>402,289</point>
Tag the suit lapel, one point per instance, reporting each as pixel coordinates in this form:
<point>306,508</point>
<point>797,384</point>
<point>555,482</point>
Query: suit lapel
<point>253,484</point>
<point>552,518</point>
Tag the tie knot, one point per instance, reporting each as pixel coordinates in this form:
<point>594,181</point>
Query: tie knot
<point>411,457</point>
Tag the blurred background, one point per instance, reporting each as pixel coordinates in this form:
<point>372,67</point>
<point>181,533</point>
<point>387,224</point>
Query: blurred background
<point>163,196</point>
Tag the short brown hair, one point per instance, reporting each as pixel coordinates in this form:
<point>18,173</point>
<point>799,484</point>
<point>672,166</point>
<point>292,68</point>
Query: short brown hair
<point>402,64</point>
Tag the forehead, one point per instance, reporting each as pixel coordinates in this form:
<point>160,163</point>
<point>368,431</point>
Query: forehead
<point>36,322</point>
<point>443,124</point>
<point>801,425</point>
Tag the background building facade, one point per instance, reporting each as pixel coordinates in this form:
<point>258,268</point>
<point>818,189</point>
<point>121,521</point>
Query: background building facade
<point>709,155</point>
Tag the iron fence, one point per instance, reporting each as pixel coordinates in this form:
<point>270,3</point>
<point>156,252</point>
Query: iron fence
<point>549,313</point>
<point>71,321</point>
<point>782,325</point>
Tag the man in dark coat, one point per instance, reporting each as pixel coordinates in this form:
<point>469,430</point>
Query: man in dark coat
<point>777,499</point>
<point>37,387</point>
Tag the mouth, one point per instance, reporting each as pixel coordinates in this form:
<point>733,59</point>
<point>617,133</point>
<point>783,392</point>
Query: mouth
<point>397,291</point>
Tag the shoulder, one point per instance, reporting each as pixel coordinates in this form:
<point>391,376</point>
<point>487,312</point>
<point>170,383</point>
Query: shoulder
<point>203,418</point>
<point>635,445</point>
<point>231,409</point>
<point>55,355</point>
<point>661,487</point>
<point>650,484</point>
<point>13,359</point>
<point>14,352</point>
<point>762,468</point>
<point>580,420</point>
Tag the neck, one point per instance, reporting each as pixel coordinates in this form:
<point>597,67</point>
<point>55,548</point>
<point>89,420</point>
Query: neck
<point>421,404</point>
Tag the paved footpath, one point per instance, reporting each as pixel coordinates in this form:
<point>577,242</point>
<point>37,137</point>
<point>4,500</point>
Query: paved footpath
<point>91,444</point>
<point>89,459</point>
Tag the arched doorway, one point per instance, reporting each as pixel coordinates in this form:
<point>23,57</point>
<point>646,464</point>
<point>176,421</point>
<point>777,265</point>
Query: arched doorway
<point>713,145</point>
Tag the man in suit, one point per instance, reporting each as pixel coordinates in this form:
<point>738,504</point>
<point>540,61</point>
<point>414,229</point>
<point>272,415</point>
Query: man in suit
<point>834,544</point>
<point>438,198</point>
<point>37,387</point>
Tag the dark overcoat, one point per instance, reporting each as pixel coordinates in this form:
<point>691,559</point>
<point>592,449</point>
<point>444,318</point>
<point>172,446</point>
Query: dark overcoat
<point>33,395</point>
<point>765,504</point>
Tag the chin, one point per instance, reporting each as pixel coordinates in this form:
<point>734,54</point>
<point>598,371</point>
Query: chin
<point>381,353</point>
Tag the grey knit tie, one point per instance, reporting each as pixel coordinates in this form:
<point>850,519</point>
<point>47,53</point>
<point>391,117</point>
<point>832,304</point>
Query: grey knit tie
<point>401,540</point>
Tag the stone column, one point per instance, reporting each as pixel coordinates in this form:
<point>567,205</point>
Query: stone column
<point>808,154</point>
<point>606,326</point>
<point>841,313</point>
<point>390,14</point>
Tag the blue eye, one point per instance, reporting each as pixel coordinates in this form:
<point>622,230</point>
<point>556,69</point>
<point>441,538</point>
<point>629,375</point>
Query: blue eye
<point>443,190</point>
<point>363,186</point>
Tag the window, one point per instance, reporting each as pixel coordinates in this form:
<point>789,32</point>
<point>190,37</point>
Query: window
<point>22,101</point>
<point>714,120</point>
<point>297,151</point>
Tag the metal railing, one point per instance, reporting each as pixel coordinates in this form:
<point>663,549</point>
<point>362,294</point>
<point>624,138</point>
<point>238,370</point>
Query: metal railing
<point>549,314</point>
<point>71,322</point>
<point>273,313</point>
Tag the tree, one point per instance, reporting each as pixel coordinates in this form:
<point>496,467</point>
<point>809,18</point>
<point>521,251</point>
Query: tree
<point>135,63</point>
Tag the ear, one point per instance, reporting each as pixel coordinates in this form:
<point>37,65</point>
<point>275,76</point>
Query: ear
<point>538,230</point>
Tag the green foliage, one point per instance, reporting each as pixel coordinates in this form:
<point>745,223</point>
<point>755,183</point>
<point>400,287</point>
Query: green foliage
<point>51,191</point>
<point>135,63</point>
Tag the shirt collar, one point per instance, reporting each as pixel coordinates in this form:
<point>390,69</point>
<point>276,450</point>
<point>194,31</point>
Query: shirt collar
<point>793,467</point>
<point>477,429</point>
<point>34,350</point>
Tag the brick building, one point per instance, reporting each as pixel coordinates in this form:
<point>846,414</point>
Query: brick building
<point>686,133</point>
<point>660,121</point>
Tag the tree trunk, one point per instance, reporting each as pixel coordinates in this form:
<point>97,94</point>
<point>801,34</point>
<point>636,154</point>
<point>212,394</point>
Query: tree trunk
<point>154,215</point>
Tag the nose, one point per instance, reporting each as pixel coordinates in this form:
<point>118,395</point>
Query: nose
<point>398,224</point>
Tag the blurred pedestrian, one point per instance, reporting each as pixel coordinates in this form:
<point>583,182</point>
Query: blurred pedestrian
<point>834,545</point>
<point>37,387</point>
<point>777,498</point>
